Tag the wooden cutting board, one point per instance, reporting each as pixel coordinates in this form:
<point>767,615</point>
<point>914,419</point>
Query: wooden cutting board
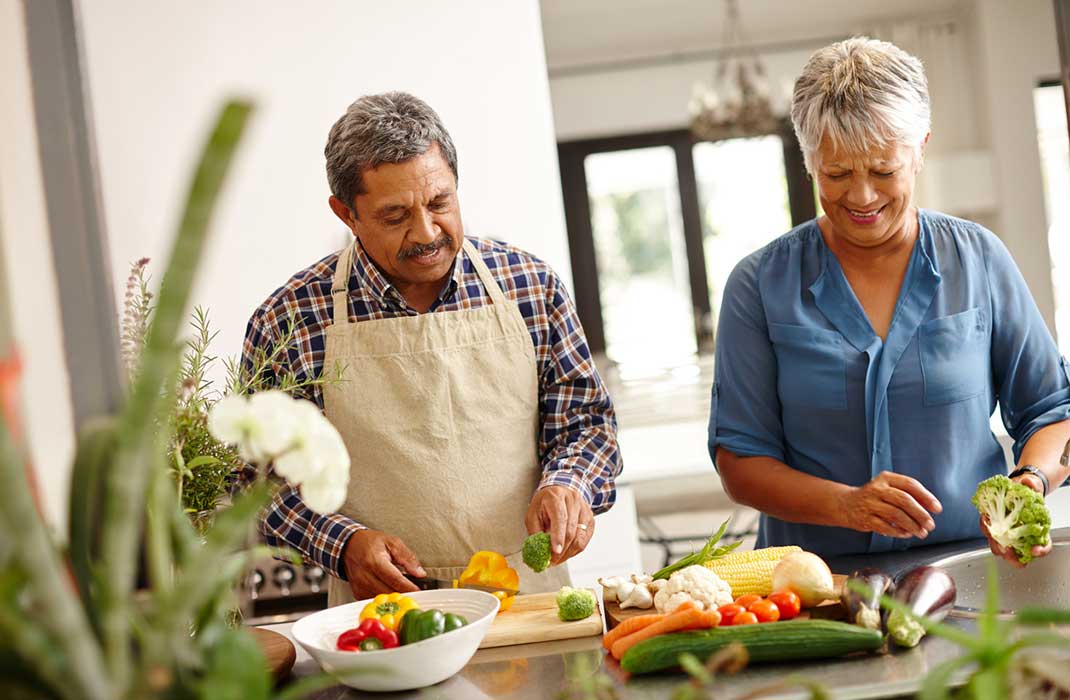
<point>533,618</point>
<point>278,651</point>
<point>829,610</point>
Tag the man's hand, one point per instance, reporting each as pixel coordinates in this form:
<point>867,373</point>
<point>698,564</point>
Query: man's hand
<point>1007,552</point>
<point>376,563</point>
<point>565,514</point>
<point>893,505</point>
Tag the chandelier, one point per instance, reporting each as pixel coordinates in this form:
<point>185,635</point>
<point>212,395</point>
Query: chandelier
<point>736,104</point>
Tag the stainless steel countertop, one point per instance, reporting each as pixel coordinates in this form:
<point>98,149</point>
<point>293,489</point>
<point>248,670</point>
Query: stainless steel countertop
<point>539,671</point>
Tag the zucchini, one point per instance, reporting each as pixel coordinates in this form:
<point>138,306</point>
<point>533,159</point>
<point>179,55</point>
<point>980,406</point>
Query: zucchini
<point>774,641</point>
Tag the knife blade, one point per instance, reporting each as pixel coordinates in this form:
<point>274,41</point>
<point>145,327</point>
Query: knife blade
<point>431,584</point>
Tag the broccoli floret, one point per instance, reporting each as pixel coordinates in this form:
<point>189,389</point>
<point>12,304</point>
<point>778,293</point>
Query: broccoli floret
<point>537,551</point>
<point>1017,515</point>
<point>575,603</point>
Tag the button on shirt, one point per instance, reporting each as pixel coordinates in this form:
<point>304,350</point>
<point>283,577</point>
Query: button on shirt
<point>577,431</point>
<point>802,377</point>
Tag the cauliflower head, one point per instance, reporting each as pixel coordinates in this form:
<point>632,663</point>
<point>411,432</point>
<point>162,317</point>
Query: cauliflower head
<point>1017,515</point>
<point>697,584</point>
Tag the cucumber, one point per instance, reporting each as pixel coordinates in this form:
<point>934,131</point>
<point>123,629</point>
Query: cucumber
<point>776,641</point>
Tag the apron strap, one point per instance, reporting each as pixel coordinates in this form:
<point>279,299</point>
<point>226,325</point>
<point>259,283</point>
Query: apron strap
<point>489,283</point>
<point>340,285</point>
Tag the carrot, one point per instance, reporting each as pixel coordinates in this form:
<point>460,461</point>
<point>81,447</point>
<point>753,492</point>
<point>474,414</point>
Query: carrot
<point>626,627</point>
<point>681,619</point>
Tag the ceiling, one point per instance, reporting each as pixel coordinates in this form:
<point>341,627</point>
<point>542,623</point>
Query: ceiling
<point>578,32</point>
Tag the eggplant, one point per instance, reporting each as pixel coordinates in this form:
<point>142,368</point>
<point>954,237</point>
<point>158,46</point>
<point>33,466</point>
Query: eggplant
<point>928,591</point>
<point>864,608</point>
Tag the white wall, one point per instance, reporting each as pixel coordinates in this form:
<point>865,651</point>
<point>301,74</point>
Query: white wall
<point>1017,47</point>
<point>27,255</point>
<point>158,70</point>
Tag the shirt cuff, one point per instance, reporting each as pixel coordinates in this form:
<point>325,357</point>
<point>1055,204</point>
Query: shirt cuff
<point>575,479</point>
<point>332,533</point>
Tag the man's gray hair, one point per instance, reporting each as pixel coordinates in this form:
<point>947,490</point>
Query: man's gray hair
<point>392,127</point>
<point>861,94</point>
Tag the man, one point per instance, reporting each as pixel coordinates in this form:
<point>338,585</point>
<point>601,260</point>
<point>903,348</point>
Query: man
<point>469,402</point>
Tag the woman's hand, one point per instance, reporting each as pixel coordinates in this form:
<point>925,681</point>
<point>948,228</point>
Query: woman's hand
<point>1007,552</point>
<point>893,505</point>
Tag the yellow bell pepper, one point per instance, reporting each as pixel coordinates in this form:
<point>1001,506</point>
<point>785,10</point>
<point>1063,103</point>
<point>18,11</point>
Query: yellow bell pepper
<point>388,608</point>
<point>491,569</point>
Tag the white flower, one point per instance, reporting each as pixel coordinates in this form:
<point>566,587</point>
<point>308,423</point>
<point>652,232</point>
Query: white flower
<point>229,421</point>
<point>292,433</point>
<point>323,495</point>
<point>274,415</point>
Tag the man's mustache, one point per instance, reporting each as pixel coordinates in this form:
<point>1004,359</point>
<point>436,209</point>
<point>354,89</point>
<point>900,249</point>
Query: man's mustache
<point>426,248</point>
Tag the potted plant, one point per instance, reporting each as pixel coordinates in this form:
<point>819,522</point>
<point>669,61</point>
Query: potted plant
<point>72,620</point>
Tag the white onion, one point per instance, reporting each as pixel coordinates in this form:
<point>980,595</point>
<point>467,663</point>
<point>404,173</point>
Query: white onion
<point>807,575</point>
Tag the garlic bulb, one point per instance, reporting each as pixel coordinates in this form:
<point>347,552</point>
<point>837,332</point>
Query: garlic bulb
<point>634,591</point>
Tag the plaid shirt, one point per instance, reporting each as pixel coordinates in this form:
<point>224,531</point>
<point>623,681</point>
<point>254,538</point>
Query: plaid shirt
<point>577,438</point>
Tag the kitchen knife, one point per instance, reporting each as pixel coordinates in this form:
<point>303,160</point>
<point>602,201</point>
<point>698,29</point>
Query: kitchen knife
<point>431,584</point>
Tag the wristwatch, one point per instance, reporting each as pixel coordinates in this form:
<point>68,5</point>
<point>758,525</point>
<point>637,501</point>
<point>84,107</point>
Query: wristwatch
<point>1030,469</point>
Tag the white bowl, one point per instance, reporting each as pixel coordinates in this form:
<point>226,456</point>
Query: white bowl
<point>405,667</point>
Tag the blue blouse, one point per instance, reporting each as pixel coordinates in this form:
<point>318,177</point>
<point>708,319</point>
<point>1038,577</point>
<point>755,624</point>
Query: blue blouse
<point>802,377</point>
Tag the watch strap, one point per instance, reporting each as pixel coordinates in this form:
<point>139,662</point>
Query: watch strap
<point>1030,469</point>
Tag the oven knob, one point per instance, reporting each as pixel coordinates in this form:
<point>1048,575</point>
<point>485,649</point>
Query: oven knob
<point>283,575</point>
<point>254,582</point>
<point>314,576</point>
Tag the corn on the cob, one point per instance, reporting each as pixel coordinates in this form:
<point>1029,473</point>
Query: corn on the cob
<point>750,572</point>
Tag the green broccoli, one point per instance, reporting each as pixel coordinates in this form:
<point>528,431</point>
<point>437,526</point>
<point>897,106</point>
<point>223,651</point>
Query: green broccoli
<point>575,603</point>
<point>537,551</point>
<point>1017,515</point>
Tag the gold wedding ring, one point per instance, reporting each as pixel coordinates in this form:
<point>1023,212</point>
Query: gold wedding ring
<point>583,526</point>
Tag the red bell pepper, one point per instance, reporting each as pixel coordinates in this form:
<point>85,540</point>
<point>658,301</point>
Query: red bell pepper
<point>368,636</point>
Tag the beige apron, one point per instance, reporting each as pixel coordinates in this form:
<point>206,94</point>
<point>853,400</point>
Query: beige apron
<point>440,413</point>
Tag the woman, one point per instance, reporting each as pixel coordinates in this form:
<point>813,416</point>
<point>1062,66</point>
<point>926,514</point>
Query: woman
<point>862,353</point>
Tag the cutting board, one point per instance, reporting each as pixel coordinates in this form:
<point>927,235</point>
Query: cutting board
<point>278,651</point>
<point>533,618</point>
<point>829,610</point>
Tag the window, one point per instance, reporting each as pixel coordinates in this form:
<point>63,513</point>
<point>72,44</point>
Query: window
<point>641,256</point>
<point>743,195</point>
<point>1050,110</point>
<point>657,222</point>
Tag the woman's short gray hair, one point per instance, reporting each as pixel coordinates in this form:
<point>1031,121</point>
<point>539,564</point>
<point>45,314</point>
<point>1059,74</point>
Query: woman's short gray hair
<point>392,127</point>
<point>860,93</point>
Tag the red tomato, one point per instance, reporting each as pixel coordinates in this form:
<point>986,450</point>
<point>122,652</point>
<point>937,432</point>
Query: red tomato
<point>746,600</point>
<point>745,618</point>
<point>729,611</point>
<point>765,610</point>
<point>787,602</point>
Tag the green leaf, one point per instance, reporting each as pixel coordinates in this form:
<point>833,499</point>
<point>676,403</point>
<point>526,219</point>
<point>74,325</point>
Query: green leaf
<point>695,668</point>
<point>202,461</point>
<point>96,446</point>
<point>936,683</point>
<point>236,669</point>
<point>987,621</point>
<point>152,394</point>
<point>1043,616</point>
<point>989,684</point>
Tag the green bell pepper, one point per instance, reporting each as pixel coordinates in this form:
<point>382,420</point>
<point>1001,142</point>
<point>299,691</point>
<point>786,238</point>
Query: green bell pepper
<point>418,625</point>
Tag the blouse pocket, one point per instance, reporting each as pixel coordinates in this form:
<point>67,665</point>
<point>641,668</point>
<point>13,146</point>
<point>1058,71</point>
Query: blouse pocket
<point>954,357</point>
<point>811,367</point>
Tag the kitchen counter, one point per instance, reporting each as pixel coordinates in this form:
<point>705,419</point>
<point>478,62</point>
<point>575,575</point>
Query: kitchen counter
<point>539,671</point>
